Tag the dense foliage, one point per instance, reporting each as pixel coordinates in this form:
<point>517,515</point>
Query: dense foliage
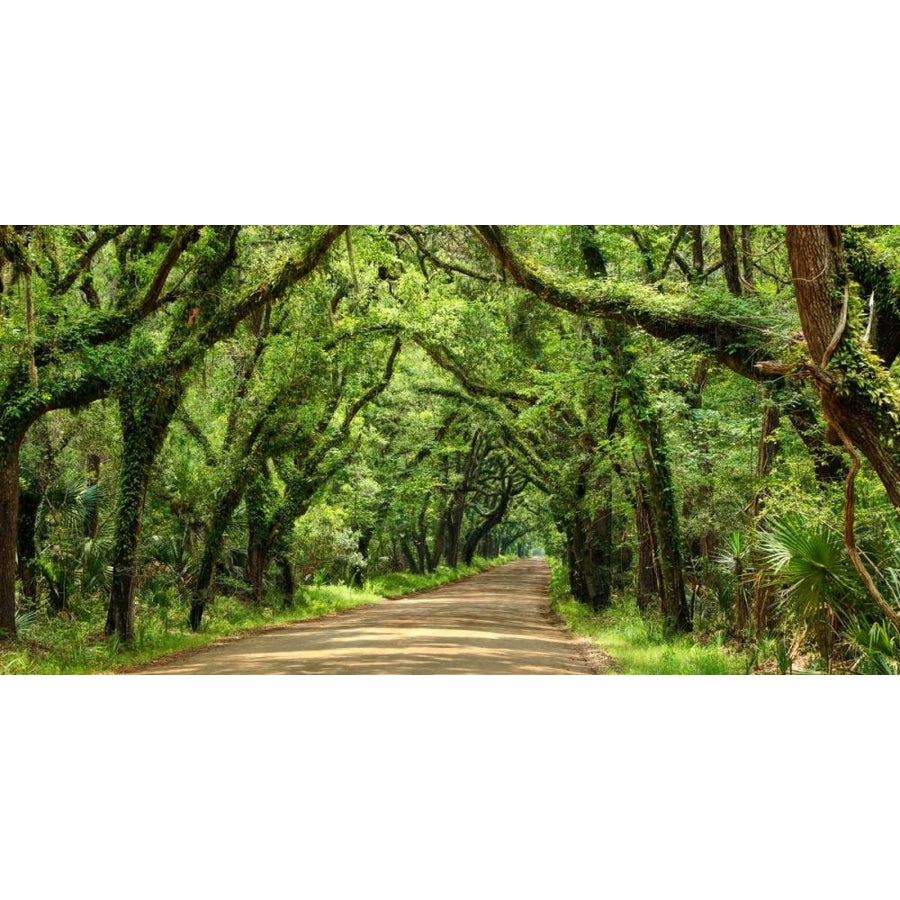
<point>699,422</point>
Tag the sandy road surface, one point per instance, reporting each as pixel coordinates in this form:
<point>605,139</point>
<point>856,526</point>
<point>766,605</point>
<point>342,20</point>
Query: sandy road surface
<point>493,623</point>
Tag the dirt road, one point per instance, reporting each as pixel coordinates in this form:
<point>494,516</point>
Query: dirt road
<point>497,622</point>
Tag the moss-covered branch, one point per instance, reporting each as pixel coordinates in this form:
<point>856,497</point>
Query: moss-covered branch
<point>737,341</point>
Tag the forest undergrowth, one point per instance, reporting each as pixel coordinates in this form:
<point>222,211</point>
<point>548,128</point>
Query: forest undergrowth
<point>637,643</point>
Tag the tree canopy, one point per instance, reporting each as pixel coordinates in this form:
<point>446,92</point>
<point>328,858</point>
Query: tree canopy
<point>702,420</point>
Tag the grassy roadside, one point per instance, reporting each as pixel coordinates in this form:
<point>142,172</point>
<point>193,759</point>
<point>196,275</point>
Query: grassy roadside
<point>396,584</point>
<point>636,644</point>
<point>78,647</point>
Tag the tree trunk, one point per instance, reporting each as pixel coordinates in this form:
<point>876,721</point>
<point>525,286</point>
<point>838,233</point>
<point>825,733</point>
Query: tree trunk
<point>649,576</point>
<point>660,495</point>
<point>766,452</point>
<point>204,584</point>
<point>459,499</point>
<point>454,528</point>
<point>702,546</point>
<point>697,251</point>
<point>145,422</point>
<point>747,255</point>
<point>763,594</point>
<point>257,563</point>
<point>592,546</point>
<point>660,488</point>
<point>856,392</point>
<point>660,485</point>
<point>597,564</point>
<point>409,557</point>
<point>730,259</point>
<point>136,469</point>
<point>358,578</point>
<point>9,522</point>
<point>286,583</point>
<point>437,548</point>
<point>596,527</point>
<point>574,563</point>
<point>26,542</point>
<point>257,537</point>
<point>421,538</point>
<point>490,521</point>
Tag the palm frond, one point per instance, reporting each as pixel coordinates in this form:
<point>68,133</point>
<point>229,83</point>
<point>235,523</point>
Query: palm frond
<point>811,564</point>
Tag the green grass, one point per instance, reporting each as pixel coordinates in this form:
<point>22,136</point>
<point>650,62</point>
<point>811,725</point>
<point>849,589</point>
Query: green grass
<point>395,584</point>
<point>77,646</point>
<point>636,643</point>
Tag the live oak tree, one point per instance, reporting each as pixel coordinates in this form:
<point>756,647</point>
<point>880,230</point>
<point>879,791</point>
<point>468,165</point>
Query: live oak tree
<point>72,351</point>
<point>155,388</point>
<point>62,353</point>
<point>852,378</point>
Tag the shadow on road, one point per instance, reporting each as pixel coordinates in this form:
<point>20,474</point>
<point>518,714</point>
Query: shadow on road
<point>496,622</point>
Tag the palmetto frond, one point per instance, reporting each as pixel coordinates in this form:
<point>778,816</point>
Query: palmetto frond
<point>811,563</point>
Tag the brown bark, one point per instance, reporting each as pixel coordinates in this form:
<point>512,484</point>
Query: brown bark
<point>812,251</point>
<point>857,394</point>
